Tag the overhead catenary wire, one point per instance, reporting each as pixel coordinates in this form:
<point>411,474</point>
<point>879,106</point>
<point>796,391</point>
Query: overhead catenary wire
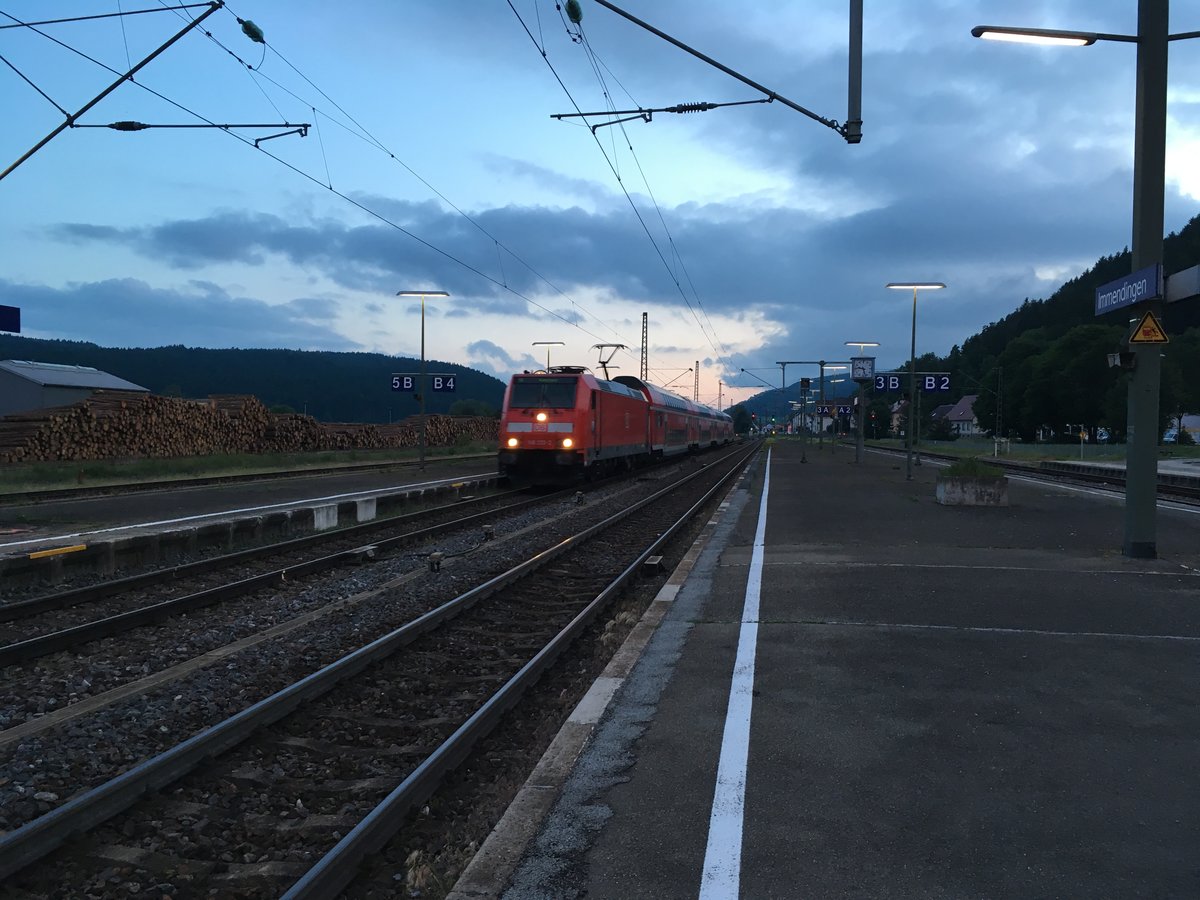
<point>363,134</point>
<point>596,63</point>
<point>617,175</point>
<point>501,283</point>
<point>121,14</point>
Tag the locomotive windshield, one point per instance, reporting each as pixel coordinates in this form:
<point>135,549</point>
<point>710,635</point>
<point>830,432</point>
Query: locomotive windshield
<point>528,393</point>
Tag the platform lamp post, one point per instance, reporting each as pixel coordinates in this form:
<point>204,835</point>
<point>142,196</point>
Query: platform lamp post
<point>1149,177</point>
<point>913,286</point>
<point>862,370</point>
<point>421,396</point>
<point>548,345</point>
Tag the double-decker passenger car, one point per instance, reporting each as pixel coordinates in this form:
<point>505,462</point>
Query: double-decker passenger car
<point>565,421</point>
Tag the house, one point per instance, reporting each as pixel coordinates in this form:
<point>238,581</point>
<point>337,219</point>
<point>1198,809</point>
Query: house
<point>26,386</point>
<point>940,412</point>
<point>962,417</point>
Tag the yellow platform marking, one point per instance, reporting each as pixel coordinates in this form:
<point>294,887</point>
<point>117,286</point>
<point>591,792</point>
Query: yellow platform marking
<point>58,551</point>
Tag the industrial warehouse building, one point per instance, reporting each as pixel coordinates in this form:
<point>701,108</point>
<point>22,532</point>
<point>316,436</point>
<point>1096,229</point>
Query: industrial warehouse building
<point>26,386</point>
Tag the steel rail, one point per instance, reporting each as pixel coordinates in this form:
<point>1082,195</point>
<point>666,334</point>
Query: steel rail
<point>35,839</point>
<point>1182,486</point>
<point>334,871</point>
<point>33,648</point>
<point>89,593</point>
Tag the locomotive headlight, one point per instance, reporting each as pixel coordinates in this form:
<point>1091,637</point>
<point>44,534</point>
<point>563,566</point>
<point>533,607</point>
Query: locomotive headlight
<point>541,417</point>
<point>568,443</point>
<point>512,442</point>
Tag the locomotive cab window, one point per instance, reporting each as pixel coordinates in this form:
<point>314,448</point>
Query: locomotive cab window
<point>555,393</point>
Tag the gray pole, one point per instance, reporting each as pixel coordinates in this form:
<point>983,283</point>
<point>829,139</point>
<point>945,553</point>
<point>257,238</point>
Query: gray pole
<point>821,412</point>
<point>862,422</point>
<point>912,393</point>
<point>1149,162</point>
<point>421,462</point>
<point>854,80</point>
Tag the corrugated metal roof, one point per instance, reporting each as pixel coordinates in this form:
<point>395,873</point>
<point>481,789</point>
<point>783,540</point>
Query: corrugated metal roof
<point>56,375</point>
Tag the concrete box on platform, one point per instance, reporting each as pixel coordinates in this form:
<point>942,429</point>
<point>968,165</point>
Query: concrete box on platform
<point>972,490</point>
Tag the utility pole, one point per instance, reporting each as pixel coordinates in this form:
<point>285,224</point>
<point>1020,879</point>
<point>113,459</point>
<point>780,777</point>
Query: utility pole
<point>645,349</point>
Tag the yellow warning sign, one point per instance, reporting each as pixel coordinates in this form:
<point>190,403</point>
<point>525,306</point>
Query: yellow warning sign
<point>1148,331</point>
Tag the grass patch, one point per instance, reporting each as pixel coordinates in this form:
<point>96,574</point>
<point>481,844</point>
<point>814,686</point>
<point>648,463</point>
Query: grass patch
<point>972,467</point>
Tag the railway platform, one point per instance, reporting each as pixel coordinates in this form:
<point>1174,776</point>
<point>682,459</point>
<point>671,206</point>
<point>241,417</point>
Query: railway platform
<point>51,539</point>
<point>849,690</point>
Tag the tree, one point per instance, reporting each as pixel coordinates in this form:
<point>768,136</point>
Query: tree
<point>473,408</point>
<point>741,418</point>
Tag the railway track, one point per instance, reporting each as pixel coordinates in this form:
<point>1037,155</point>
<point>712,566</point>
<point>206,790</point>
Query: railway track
<point>37,626</point>
<point>1169,487</point>
<point>290,794</point>
<point>50,495</point>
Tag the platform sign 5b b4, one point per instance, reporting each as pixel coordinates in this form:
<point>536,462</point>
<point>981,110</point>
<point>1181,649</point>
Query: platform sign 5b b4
<point>439,383</point>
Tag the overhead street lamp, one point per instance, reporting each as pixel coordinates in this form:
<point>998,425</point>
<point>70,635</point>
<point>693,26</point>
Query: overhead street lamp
<point>548,345</point>
<point>914,286</point>
<point>422,295</point>
<point>1149,179</point>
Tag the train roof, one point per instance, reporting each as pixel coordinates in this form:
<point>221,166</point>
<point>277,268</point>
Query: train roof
<point>662,397</point>
<point>570,372</point>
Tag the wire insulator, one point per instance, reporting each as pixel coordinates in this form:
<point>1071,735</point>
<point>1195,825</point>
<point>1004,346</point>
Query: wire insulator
<point>128,126</point>
<point>692,107</point>
<point>252,31</point>
<point>574,12</point>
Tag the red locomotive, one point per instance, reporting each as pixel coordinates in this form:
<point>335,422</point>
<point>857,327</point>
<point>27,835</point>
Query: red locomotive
<point>565,422</point>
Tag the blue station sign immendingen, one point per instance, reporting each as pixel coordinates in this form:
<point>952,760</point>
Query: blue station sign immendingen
<point>1144,284</point>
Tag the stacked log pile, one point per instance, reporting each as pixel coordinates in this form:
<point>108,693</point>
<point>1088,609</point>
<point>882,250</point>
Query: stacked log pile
<point>132,425</point>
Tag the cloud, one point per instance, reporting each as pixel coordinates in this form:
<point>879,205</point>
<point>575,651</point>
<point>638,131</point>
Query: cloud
<point>130,313</point>
<point>492,358</point>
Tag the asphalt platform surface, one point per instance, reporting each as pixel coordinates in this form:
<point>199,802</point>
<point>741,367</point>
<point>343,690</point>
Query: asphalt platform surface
<point>948,702</point>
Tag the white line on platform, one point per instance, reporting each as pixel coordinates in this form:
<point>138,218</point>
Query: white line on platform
<point>983,629</point>
<point>183,520</point>
<point>723,856</point>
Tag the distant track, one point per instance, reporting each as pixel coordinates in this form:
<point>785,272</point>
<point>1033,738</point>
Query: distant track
<point>132,487</point>
<point>1062,471</point>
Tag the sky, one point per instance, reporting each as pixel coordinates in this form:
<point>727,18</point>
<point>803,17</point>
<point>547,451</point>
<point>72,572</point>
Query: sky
<point>749,234</point>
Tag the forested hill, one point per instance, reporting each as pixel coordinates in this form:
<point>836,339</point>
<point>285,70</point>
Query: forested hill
<point>1046,363</point>
<point>1074,303</point>
<point>331,387</point>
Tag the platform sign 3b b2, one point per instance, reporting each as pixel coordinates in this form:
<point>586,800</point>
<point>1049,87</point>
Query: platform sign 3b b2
<point>927,382</point>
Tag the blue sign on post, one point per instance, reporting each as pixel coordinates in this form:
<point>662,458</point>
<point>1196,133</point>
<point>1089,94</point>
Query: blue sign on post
<point>442,383</point>
<point>935,383</point>
<point>404,382</point>
<point>1144,284</point>
<point>10,318</point>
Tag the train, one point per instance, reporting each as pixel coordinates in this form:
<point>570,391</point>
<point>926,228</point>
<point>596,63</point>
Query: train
<point>565,423</point>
